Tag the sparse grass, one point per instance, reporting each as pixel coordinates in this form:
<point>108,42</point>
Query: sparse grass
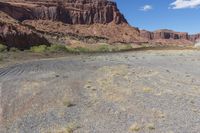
<point>151,126</point>
<point>39,49</point>
<point>103,48</point>
<point>3,48</point>
<point>70,128</point>
<point>57,48</point>
<point>135,127</point>
<point>82,49</point>
<point>147,89</point>
<point>67,102</point>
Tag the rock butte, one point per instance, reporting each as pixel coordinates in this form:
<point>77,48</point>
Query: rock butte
<point>28,22</point>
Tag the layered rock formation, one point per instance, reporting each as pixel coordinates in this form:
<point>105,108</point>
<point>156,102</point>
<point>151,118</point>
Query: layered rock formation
<point>13,34</point>
<point>195,37</point>
<point>165,36</point>
<point>98,18</point>
<point>33,20</point>
<point>68,11</point>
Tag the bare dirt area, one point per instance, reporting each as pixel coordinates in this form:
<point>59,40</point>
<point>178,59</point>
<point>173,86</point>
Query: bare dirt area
<point>144,91</point>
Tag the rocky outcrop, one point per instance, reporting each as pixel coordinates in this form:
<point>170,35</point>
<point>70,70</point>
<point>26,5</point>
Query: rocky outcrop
<point>169,37</point>
<point>93,18</point>
<point>147,34</point>
<point>68,11</point>
<point>195,37</point>
<point>81,18</point>
<point>164,34</point>
<point>169,34</point>
<point>13,34</point>
<point>111,32</point>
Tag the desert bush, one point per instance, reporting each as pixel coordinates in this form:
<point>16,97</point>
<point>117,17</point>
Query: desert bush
<point>77,49</point>
<point>57,48</point>
<point>3,48</point>
<point>125,47</point>
<point>70,49</point>
<point>39,49</point>
<point>103,48</point>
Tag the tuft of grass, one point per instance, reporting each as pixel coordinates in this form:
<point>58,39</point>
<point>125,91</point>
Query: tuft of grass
<point>3,48</point>
<point>151,126</point>
<point>135,127</point>
<point>57,48</point>
<point>147,89</point>
<point>70,128</point>
<point>67,102</point>
<point>39,49</point>
<point>103,48</point>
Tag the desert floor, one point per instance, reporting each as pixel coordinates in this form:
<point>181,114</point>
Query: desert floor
<point>141,91</point>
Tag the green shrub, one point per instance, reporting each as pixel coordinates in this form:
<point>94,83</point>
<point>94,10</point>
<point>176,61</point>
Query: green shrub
<point>71,50</point>
<point>103,48</point>
<point>3,48</point>
<point>125,47</point>
<point>57,48</point>
<point>115,49</point>
<point>39,49</point>
<point>77,50</point>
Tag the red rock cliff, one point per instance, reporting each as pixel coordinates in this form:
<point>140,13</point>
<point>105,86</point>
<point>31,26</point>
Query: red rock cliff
<point>68,11</point>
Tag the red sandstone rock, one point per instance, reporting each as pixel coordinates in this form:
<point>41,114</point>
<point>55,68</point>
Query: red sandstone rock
<point>68,11</point>
<point>13,34</point>
<point>98,18</point>
<point>195,37</point>
<point>169,37</point>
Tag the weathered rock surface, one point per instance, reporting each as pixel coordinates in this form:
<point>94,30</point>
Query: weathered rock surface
<point>14,34</point>
<point>111,31</point>
<point>94,18</point>
<point>165,36</point>
<point>98,18</point>
<point>68,11</point>
<point>195,37</point>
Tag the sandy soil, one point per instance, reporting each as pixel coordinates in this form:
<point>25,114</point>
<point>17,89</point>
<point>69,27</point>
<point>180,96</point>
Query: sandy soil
<point>144,92</point>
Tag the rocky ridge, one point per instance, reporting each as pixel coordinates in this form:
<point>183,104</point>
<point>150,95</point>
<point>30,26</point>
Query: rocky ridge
<point>165,36</point>
<point>83,18</point>
<point>68,11</point>
<point>97,20</point>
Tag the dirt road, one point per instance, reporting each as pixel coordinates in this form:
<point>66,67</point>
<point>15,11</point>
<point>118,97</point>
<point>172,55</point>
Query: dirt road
<point>144,92</point>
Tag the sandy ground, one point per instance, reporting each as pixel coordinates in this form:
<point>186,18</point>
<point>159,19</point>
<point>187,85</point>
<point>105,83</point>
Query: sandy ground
<point>144,92</point>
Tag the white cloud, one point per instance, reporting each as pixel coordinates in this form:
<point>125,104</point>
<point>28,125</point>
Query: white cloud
<point>146,8</point>
<point>181,4</point>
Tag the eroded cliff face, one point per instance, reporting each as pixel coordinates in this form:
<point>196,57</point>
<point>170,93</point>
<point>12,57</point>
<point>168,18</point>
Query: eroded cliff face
<point>13,34</point>
<point>68,11</point>
<point>164,34</point>
<point>195,37</point>
<point>82,18</point>
<point>168,36</point>
<point>98,18</point>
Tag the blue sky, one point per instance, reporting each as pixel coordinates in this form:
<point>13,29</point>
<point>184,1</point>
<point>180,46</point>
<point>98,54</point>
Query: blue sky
<point>183,15</point>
